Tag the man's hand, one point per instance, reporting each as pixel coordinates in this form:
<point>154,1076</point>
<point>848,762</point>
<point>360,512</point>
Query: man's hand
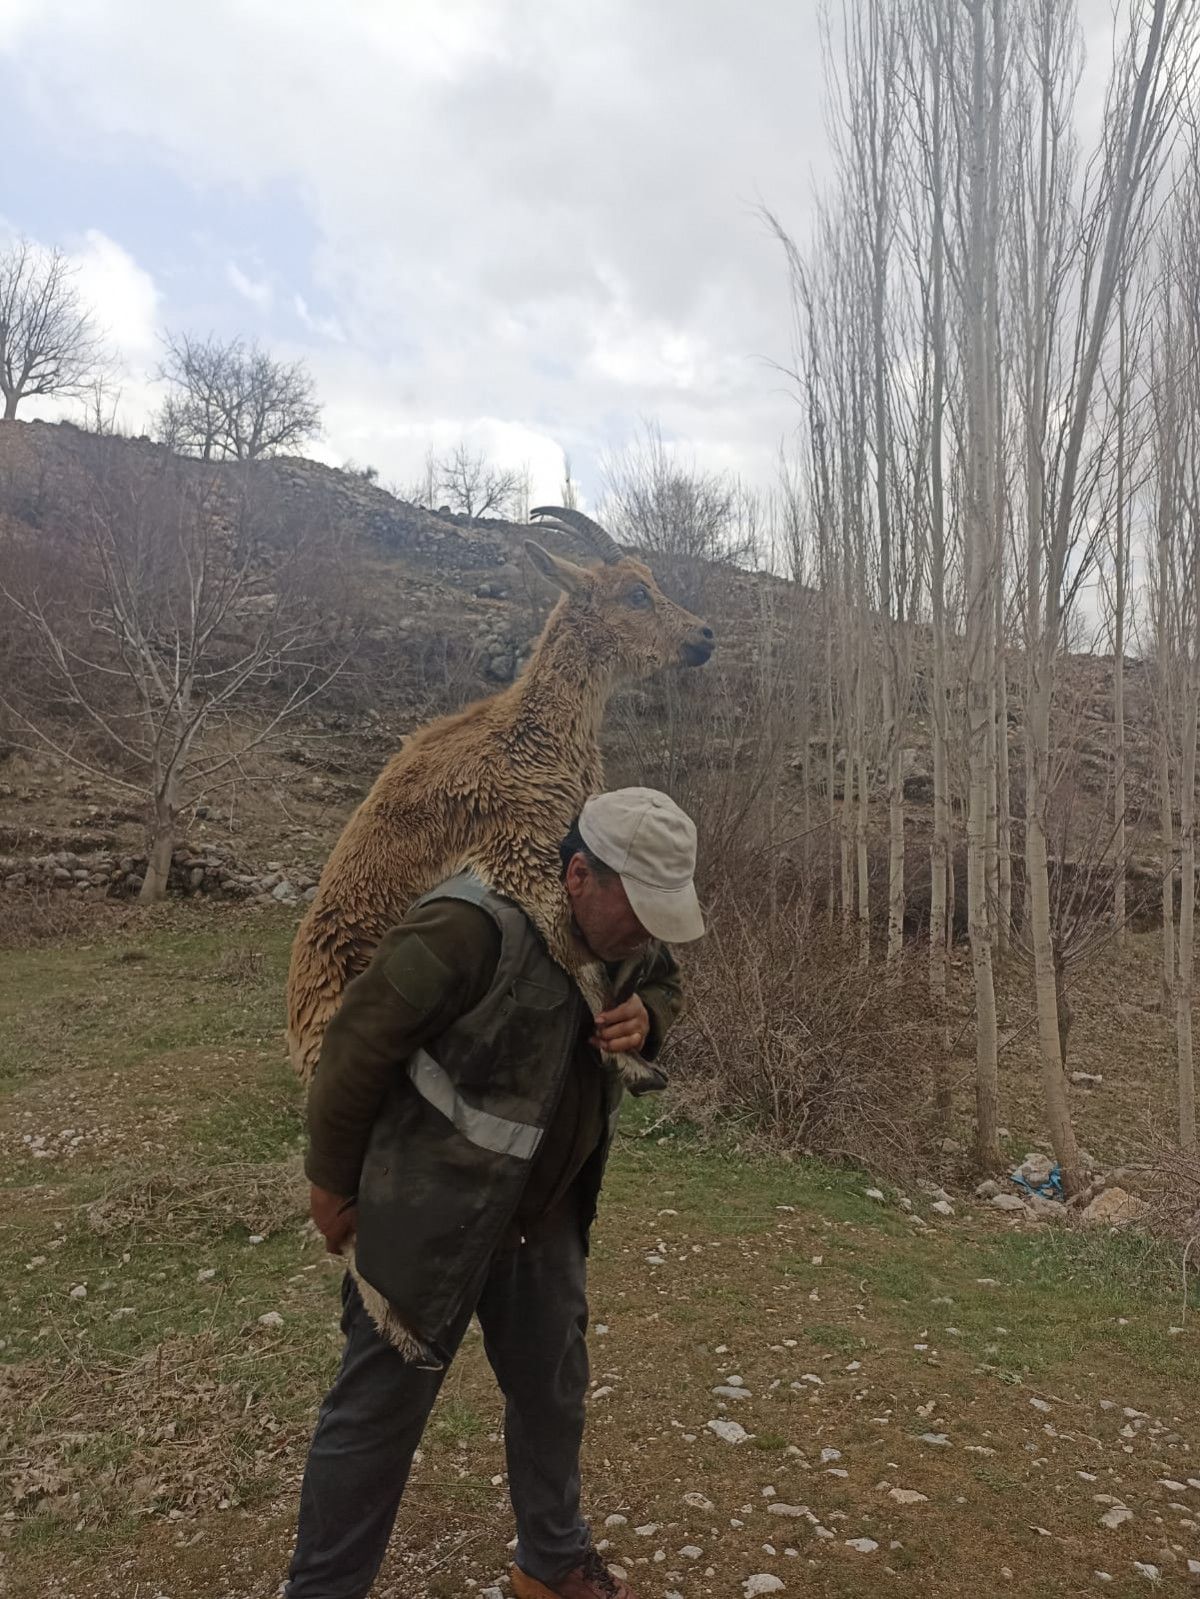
<point>334,1215</point>
<point>624,1029</point>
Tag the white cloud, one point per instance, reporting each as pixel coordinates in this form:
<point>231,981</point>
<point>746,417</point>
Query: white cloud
<point>327,327</point>
<point>258,291</point>
<point>540,215</point>
<point>122,294</point>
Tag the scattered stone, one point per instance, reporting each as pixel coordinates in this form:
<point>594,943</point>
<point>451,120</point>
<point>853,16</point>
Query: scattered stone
<point>1087,1079</point>
<point>762,1582</point>
<point>270,1318</point>
<point>727,1390</point>
<point>1151,1573</point>
<point>79,1291</point>
<point>616,1521</point>
<point>876,1194</point>
<point>829,1454</point>
<point>908,1496</point>
<point>865,1546</point>
<point>1116,1517</point>
<point>797,1512</point>
<point>943,1207</point>
<point>699,1502</point>
<point>1035,1169</point>
<point>691,1552</point>
<point>1010,1202</point>
<point>1115,1207</point>
<point>206,1275</point>
<point>937,1439</point>
<point>1041,1404</point>
<point>731,1431</point>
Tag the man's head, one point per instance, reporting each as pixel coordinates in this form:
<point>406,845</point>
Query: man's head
<point>628,864</point>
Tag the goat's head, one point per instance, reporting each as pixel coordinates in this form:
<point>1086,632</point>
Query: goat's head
<point>646,630</point>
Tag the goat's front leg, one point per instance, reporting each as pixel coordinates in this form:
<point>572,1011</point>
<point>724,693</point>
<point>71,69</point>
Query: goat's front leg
<point>638,1075</point>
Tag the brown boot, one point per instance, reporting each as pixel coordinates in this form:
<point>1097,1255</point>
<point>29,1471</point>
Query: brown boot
<point>591,1580</point>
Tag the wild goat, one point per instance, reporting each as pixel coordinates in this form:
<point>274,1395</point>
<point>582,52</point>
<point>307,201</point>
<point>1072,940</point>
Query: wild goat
<point>496,786</point>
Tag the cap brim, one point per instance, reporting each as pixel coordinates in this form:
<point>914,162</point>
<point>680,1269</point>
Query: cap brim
<point>673,916</point>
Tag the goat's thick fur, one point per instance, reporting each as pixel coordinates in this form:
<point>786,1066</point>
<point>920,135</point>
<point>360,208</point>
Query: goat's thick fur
<point>494,788</point>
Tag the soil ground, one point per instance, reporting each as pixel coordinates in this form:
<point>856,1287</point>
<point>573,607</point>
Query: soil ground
<point>153,1427</point>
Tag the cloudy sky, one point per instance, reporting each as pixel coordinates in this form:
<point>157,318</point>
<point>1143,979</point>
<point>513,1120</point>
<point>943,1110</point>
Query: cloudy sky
<point>532,222</point>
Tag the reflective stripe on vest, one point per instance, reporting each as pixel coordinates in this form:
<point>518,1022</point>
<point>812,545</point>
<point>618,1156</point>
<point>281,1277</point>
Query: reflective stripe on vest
<point>489,1132</point>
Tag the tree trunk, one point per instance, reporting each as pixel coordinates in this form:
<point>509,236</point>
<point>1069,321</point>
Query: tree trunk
<point>979,537</point>
<point>1037,888</point>
<point>895,944</point>
<point>1187,913</point>
<point>11,401</point>
<point>862,826</point>
<point>1166,813</point>
<point>1121,561</point>
<point>161,848</point>
<point>1003,806</point>
<point>992,848</point>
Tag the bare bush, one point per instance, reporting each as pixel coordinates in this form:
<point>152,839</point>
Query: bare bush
<point>789,1041</point>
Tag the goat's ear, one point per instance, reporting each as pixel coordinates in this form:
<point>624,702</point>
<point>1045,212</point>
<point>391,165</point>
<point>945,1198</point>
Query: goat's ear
<point>563,574</point>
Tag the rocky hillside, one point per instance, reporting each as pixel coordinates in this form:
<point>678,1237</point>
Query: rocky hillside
<point>446,609</point>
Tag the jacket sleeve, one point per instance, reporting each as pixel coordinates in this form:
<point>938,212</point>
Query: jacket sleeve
<point>432,968</point>
<point>661,992</point>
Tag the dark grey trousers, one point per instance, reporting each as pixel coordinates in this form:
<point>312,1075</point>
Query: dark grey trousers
<point>533,1311</point>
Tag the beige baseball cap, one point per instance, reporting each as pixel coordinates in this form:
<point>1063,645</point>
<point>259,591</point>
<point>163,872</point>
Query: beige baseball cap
<point>651,844</point>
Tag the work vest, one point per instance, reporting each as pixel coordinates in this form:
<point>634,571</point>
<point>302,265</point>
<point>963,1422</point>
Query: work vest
<point>451,1151</point>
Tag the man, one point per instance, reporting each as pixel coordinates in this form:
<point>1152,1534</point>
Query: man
<point>459,1123</point>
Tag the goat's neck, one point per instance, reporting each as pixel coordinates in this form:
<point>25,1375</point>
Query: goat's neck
<point>565,687</point>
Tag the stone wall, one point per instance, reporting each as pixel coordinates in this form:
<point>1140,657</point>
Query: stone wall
<point>109,874</point>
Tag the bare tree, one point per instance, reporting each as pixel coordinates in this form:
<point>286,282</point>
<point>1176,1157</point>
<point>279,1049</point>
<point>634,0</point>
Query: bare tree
<point>664,504</point>
<point>1176,404</point>
<point>49,342</point>
<point>570,489</point>
<point>157,652</point>
<point>234,401</point>
<point>1061,542</point>
<point>474,486</point>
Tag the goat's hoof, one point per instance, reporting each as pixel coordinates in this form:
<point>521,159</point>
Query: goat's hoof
<point>639,1076</point>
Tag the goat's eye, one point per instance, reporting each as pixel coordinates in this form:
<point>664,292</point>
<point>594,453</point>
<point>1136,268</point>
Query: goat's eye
<point>639,597</point>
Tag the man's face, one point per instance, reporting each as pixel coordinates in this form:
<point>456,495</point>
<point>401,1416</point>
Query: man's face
<point>604,917</point>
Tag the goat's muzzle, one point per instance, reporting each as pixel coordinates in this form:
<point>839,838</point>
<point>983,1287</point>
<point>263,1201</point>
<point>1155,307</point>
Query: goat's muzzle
<point>698,646</point>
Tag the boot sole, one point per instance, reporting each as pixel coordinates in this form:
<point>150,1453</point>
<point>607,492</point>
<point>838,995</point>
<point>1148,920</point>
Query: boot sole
<point>526,1587</point>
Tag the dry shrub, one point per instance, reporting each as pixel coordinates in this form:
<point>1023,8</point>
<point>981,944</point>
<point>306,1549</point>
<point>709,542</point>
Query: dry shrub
<point>189,1204</point>
<point>28,918</point>
<point>789,1040</point>
<point>1176,1199</point>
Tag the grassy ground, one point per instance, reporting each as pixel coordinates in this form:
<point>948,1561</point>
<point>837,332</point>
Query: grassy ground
<point>153,1427</point>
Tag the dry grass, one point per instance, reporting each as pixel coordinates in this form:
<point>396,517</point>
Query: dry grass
<point>190,1203</point>
<point>162,1432</point>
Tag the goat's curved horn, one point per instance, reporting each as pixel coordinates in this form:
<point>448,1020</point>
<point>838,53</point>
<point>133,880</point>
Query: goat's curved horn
<point>570,521</point>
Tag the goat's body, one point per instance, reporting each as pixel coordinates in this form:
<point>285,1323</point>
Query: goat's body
<point>494,787</point>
